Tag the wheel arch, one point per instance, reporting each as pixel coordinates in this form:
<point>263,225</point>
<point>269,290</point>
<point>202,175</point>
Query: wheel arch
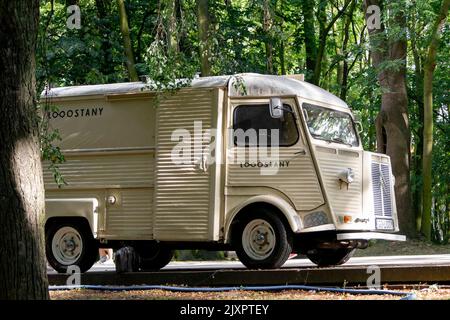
<point>84,210</point>
<point>83,221</point>
<point>279,206</point>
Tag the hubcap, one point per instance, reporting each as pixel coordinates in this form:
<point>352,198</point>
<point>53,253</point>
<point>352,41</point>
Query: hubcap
<point>258,239</point>
<point>67,245</point>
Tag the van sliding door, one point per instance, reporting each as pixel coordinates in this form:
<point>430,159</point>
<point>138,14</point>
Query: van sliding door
<point>186,177</point>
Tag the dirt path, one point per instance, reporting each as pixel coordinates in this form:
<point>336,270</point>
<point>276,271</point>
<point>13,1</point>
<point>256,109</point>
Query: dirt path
<point>432,293</point>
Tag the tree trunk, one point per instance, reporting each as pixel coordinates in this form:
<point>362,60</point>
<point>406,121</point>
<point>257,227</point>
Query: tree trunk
<point>323,35</point>
<point>338,52</point>
<point>345,67</point>
<point>418,79</point>
<point>170,13</point>
<point>104,29</point>
<point>267,26</point>
<point>132,73</point>
<point>232,15</point>
<point>282,57</point>
<point>393,133</point>
<point>138,53</point>
<point>203,21</point>
<point>309,38</point>
<point>428,70</point>
<point>322,19</point>
<point>22,267</point>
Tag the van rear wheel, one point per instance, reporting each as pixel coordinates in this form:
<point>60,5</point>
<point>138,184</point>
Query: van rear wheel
<point>262,241</point>
<point>330,257</point>
<point>70,243</point>
<point>153,256</point>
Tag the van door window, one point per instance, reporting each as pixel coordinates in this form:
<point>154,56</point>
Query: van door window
<point>253,126</point>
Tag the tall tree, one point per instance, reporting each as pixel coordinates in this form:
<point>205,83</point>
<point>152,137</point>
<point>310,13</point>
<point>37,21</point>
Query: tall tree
<point>124,28</point>
<point>428,70</point>
<point>388,52</point>
<point>417,55</point>
<point>105,28</point>
<point>315,46</point>
<point>346,35</point>
<point>204,21</point>
<point>309,38</point>
<point>22,267</point>
<point>324,29</point>
<point>267,29</point>
<point>170,15</point>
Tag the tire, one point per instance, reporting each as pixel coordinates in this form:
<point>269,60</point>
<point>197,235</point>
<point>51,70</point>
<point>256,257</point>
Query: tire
<point>262,241</point>
<point>70,243</point>
<point>153,256</point>
<point>330,257</point>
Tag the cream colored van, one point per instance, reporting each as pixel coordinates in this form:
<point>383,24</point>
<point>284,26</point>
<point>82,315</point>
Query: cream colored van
<point>184,170</point>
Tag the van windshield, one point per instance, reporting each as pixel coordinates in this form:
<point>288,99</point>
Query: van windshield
<point>330,125</point>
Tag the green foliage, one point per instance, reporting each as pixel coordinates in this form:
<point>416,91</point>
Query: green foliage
<point>51,154</point>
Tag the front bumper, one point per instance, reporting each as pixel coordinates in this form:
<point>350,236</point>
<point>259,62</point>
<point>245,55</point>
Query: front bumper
<point>370,235</point>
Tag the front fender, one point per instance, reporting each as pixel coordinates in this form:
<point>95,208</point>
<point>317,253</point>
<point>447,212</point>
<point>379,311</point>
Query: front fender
<point>288,211</point>
<point>74,207</point>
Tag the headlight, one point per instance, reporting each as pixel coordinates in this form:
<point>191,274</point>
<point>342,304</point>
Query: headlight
<point>346,176</point>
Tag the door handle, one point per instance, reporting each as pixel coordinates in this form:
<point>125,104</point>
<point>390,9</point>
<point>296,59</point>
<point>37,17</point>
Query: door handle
<point>202,164</point>
<point>301,152</point>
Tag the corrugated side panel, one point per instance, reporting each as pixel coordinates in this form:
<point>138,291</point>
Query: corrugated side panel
<point>342,201</point>
<point>86,171</point>
<point>131,217</point>
<point>182,193</point>
<point>297,180</point>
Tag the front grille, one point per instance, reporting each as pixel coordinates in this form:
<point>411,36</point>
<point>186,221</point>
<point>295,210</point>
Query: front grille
<point>381,183</point>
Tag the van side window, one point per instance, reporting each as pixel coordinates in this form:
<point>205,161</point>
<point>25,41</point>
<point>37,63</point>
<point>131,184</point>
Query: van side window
<point>253,126</point>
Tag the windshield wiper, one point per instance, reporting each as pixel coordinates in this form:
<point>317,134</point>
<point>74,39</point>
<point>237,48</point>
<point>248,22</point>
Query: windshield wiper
<point>315,135</point>
<point>340,140</point>
<point>336,140</point>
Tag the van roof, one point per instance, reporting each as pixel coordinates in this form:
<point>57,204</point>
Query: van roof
<point>256,85</point>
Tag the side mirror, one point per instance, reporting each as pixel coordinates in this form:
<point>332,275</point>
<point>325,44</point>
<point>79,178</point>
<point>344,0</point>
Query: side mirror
<point>276,108</point>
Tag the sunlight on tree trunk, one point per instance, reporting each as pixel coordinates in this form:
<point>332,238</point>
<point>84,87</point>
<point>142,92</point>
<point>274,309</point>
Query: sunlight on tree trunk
<point>22,257</point>
<point>127,41</point>
<point>429,66</point>
<point>170,12</point>
<point>309,38</point>
<point>203,31</point>
<point>392,124</point>
<point>267,27</point>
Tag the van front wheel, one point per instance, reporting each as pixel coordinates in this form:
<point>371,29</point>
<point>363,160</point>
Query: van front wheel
<point>262,241</point>
<point>70,243</point>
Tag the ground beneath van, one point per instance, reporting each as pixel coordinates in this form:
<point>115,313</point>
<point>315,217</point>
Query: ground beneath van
<point>376,248</point>
<point>398,248</point>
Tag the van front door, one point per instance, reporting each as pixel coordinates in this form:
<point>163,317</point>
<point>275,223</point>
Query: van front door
<point>285,168</point>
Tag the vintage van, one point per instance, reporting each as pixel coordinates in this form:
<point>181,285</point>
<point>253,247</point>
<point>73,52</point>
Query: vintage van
<point>264,165</point>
